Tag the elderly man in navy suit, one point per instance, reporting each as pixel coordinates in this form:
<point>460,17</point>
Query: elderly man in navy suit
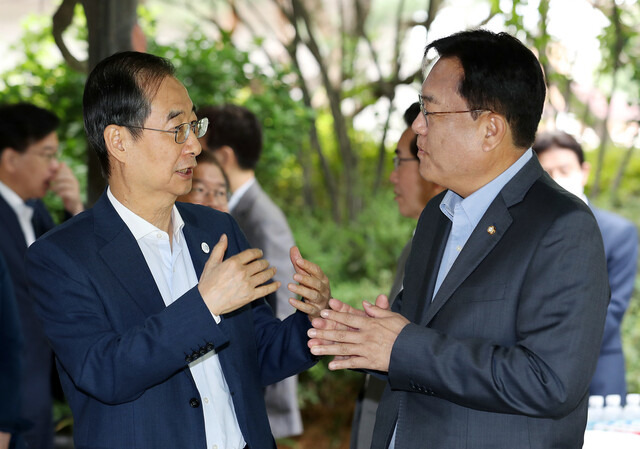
<point>155,310</point>
<point>494,339</point>
<point>562,157</point>
<point>29,168</point>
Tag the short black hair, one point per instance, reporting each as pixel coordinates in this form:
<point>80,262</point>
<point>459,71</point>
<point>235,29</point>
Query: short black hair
<point>119,91</point>
<point>500,74</point>
<point>558,139</point>
<point>411,113</point>
<point>23,124</point>
<point>236,127</point>
<point>409,117</point>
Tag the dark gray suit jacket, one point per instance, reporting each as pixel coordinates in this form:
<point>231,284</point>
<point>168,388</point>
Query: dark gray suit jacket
<point>266,228</point>
<point>503,356</point>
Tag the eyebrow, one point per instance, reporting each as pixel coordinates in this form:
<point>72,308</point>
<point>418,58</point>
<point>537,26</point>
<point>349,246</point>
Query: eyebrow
<point>430,99</point>
<point>174,113</point>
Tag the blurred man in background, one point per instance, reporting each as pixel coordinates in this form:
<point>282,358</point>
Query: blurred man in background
<point>29,167</point>
<point>210,184</point>
<point>563,158</point>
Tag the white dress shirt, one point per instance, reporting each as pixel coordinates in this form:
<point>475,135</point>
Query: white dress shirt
<point>174,275</point>
<point>22,210</point>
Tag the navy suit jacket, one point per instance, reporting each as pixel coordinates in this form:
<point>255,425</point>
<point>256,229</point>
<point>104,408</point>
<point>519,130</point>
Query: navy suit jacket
<point>123,355</point>
<point>36,357</point>
<point>503,355</point>
<point>620,239</point>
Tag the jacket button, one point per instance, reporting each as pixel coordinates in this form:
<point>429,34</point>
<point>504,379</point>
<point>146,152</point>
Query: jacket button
<point>203,351</point>
<point>188,359</point>
<point>209,347</point>
<point>193,402</point>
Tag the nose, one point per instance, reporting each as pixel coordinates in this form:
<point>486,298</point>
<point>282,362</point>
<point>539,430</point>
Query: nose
<point>192,145</point>
<point>393,177</point>
<point>419,125</point>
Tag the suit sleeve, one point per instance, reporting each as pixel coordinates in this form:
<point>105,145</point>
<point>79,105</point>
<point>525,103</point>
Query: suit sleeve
<point>561,308</point>
<point>112,365</point>
<point>621,265</point>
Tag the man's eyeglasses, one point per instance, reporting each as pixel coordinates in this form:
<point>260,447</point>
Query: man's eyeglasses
<point>217,194</point>
<point>181,132</point>
<point>427,113</point>
<point>397,161</point>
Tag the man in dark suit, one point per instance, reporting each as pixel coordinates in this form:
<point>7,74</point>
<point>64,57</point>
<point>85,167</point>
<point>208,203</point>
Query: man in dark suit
<point>236,141</point>
<point>562,157</point>
<point>11,422</point>
<point>412,193</point>
<point>154,309</point>
<point>494,338</point>
<point>29,167</point>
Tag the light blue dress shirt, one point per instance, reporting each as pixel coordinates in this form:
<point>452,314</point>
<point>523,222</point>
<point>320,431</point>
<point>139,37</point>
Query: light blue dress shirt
<point>465,214</point>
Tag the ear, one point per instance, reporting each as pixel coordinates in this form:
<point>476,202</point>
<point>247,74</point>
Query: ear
<point>586,169</point>
<point>9,159</point>
<point>226,156</point>
<point>495,127</point>
<point>114,138</point>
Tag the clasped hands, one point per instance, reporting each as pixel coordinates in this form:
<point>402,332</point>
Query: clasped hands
<point>358,339</point>
<point>227,285</point>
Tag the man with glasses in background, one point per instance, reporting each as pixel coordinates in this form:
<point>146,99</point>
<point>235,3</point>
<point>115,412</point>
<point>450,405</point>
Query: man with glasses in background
<point>29,168</point>
<point>495,336</point>
<point>412,193</point>
<point>155,309</point>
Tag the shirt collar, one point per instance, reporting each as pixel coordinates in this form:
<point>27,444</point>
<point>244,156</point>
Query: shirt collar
<point>140,227</point>
<point>237,195</point>
<point>13,199</point>
<point>476,204</point>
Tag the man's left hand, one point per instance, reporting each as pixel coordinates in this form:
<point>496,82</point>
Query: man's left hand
<point>313,286</point>
<point>359,342</point>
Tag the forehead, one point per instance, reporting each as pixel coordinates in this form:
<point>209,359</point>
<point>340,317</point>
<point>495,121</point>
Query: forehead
<point>404,144</point>
<point>441,84</point>
<point>558,156</point>
<point>170,101</point>
<point>209,172</point>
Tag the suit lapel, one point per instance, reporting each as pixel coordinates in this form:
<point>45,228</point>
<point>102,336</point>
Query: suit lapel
<point>124,258</point>
<point>422,283</point>
<point>483,238</point>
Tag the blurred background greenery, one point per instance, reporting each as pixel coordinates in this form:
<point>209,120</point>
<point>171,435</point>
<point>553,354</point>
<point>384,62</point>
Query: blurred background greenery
<point>328,174</point>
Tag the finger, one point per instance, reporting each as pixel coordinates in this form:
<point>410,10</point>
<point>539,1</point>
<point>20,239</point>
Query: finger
<point>266,289</point>
<point>341,336</point>
<point>340,306</point>
<point>305,292</point>
<point>295,256</point>
<point>348,319</point>
<point>302,306</point>
<point>309,281</point>
<point>248,255</point>
<point>263,277</point>
<point>382,301</point>
<point>342,349</point>
<point>311,268</point>
<point>257,266</point>
<point>376,312</point>
<point>353,362</point>
<point>217,254</point>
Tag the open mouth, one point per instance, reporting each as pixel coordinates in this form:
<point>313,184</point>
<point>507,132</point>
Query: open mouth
<point>185,171</point>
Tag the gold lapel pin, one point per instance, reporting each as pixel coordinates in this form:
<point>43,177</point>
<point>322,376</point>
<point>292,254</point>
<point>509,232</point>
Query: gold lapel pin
<point>491,230</point>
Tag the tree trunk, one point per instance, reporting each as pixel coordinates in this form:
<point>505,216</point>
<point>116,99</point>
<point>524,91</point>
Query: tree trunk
<point>110,24</point>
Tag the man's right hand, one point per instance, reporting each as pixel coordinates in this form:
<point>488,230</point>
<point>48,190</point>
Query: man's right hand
<point>228,285</point>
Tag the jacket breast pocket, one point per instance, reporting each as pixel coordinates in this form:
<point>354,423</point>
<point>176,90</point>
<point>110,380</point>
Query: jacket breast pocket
<point>481,293</point>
